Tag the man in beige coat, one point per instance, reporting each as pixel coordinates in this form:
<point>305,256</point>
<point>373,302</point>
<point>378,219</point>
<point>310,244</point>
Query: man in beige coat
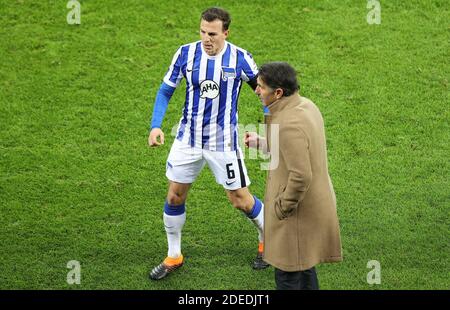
<point>301,227</point>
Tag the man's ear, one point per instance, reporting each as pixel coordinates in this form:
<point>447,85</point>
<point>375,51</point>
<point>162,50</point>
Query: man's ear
<point>279,93</point>
<point>226,33</point>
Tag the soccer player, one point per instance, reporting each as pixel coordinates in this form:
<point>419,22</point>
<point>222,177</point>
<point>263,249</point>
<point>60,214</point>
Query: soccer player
<point>214,70</point>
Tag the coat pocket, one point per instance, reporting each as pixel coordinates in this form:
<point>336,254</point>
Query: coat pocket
<point>281,215</point>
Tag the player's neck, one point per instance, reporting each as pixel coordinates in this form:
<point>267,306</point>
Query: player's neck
<point>220,49</point>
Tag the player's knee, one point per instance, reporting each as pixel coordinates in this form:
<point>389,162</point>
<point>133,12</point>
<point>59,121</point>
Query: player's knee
<point>176,199</point>
<point>241,200</point>
<point>238,203</point>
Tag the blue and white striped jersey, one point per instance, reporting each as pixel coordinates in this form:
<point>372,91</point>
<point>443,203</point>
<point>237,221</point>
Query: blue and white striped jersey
<point>213,83</point>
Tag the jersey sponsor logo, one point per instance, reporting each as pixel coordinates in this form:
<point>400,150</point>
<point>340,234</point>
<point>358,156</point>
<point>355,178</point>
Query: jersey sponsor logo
<point>209,89</point>
<point>229,183</point>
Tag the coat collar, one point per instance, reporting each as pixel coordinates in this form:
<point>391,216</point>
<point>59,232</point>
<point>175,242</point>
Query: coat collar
<point>284,103</point>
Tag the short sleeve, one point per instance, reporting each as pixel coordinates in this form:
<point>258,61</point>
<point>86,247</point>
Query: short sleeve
<point>174,74</point>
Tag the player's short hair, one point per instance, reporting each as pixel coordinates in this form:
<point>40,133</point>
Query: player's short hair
<point>214,13</point>
<point>279,75</point>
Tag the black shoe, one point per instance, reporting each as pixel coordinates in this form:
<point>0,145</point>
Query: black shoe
<point>162,270</point>
<point>259,263</point>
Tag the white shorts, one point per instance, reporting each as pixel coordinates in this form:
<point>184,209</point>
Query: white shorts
<point>185,163</point>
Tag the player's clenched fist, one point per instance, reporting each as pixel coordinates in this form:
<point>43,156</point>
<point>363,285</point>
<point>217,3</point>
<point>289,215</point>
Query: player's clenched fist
<point>153,137</point>
<point>251,139</point>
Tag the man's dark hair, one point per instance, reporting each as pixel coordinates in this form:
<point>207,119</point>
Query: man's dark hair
<point>279,75</point>
<point>214,13</point>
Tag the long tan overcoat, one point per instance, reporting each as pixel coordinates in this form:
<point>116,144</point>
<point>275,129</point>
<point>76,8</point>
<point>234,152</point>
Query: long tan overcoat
<point>301,227</point>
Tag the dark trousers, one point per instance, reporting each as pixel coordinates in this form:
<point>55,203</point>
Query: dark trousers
<point>297,280</point>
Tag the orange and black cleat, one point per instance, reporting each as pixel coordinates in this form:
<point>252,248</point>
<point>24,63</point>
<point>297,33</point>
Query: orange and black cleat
<point>167,266</point>
<point>259,263</point>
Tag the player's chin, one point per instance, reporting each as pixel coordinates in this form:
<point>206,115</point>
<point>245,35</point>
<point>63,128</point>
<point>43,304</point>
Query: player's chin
<point>208,49</point>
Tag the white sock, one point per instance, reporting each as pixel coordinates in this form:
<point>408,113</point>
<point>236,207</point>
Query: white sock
<point>173,225</point>
<point>256,215</point>
<point>259,223</point>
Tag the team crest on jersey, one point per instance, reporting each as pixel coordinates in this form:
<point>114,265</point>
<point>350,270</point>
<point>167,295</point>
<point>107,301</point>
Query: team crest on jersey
<point>227,73</point>
<point>209,89</point>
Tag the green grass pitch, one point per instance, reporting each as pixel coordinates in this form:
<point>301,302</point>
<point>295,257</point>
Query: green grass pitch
<point>78,182</point>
